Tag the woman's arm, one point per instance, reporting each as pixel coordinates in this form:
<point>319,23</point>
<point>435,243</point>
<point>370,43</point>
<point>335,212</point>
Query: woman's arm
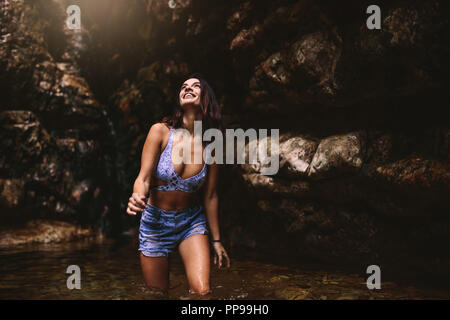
<point>211,201</point>
<point>149,156</point>
<point>211,204</point>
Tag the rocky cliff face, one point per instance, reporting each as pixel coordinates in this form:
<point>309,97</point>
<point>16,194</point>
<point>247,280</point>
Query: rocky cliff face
<point>364,141</point>
<point>54,152</point>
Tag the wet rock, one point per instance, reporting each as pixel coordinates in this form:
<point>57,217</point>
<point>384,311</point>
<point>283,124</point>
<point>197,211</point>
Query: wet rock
<point>79,191</point>
<point>380,148</point>
<point>169,11</point>
<point>240,16</point>
<point>314,57</point>
<point>296,155</point>
<point>246,38</point>
<point>408,26</point>
<point>24,140</point>
<point>42,231</point>
<point>415,172</point>
<point>323,232</point>
<point>410,187</point>
<point>302,74</point>
<point>12,193</point>
<point>292,293</point>
<point>278,278</point>
<point>337,155</point>
<point>266,185</point>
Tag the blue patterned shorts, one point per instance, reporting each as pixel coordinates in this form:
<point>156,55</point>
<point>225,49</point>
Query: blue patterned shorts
<point>161,231</point>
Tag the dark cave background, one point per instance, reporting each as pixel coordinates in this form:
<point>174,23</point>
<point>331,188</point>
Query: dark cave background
<point>364,135</point>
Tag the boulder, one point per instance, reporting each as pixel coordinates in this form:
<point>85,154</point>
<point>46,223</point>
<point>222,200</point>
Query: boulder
<point>338,155</point>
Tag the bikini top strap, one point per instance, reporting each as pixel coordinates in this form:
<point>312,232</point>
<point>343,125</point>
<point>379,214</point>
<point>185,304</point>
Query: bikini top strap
<point>169,143</point>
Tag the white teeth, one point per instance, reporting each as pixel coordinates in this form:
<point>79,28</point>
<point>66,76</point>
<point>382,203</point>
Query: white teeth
<point>188,94</point>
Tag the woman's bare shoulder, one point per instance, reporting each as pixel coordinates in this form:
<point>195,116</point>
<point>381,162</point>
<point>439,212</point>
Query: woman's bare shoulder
<point>159,128</point>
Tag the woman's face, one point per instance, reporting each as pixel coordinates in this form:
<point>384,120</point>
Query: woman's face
<point>190,92</point>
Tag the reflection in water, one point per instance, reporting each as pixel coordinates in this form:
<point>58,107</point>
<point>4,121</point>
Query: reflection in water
<point>111,270</point>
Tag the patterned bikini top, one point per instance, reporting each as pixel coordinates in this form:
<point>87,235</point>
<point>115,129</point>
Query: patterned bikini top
<point>166,173</point>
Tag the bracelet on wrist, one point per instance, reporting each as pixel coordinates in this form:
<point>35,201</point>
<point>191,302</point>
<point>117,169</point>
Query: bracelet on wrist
<point>215,240</point>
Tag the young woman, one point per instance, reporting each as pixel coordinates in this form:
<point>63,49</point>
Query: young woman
<point>181,195</point>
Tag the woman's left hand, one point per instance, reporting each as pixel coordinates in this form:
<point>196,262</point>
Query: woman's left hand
<point>220,254</point>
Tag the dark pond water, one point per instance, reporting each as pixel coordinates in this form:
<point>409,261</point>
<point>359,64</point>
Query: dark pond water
<point>110,269</point>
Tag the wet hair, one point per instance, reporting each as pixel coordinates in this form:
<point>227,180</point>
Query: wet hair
<point>212,117</point>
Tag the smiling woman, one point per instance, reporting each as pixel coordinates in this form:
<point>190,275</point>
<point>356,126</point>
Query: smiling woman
<point>196,91</point>
<point>182,209</point>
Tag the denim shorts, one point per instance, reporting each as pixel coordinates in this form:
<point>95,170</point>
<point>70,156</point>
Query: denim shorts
<point>161,231</point>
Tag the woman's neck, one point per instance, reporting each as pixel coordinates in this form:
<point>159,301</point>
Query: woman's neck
<point>189,116</point>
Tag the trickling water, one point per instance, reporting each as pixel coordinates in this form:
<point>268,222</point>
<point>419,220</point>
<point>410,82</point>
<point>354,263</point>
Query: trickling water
<point>112,165</point>
<point>111,270</point>
<point>110,123</point>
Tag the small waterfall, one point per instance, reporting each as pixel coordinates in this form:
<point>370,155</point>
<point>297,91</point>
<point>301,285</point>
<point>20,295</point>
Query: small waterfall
<point>113,175</point>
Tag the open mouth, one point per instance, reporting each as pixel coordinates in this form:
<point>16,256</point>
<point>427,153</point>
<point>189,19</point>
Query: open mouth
<point>189,95</point>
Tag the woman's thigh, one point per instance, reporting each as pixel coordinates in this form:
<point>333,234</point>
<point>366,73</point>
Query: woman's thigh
<point>156,272</point>
<point>194,252</point>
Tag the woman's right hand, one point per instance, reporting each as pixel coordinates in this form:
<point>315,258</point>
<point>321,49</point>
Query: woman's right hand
<point>136,203</point>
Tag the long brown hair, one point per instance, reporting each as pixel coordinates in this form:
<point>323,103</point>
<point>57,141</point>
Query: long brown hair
<point>212,117</point>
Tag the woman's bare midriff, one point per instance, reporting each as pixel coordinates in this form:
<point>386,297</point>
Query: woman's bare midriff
<point>173,200</point>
